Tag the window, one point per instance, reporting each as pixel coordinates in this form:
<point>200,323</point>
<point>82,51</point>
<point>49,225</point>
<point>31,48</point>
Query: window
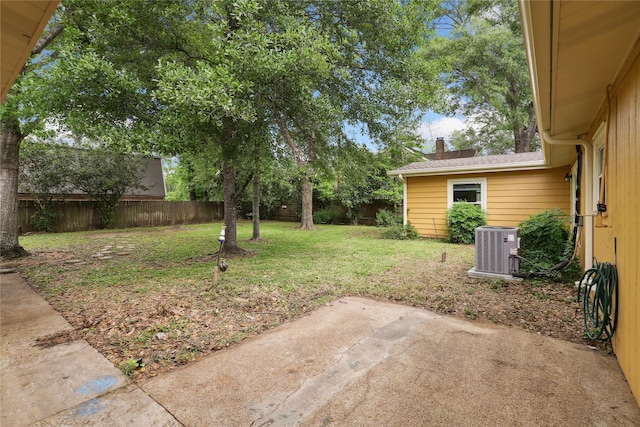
<point>598,165</point>
<point>463,190</point>
<point>599,173</point>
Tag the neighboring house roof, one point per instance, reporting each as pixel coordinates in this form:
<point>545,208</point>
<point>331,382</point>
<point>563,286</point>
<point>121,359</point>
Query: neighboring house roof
<point>153,180</point>
<point>457,154</point>
<point>518,161</point>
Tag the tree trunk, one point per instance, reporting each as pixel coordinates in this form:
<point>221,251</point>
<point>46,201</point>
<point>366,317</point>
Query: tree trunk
<point>10,140</point>
<point>524,135</point>
<point>307,186</point>
<point>229,176</point>
<point>229,189</point>
<point>307,204</point>
<point>256,207</point>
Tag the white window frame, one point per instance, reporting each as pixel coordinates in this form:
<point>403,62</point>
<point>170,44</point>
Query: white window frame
<point>483,189</point>
<point>598,163</point>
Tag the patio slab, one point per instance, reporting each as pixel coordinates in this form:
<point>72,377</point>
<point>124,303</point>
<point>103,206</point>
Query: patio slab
<point>362,362</point>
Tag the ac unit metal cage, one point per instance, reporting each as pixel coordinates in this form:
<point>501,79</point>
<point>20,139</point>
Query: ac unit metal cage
<point>494,247</point>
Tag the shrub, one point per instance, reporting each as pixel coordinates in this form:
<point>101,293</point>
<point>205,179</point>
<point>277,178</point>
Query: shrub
<point>462,220</point>
<point>330,215</point>
<point>399,232</point>
<point>543,239</point>
<point>43,217</point>
<point>386,218</point>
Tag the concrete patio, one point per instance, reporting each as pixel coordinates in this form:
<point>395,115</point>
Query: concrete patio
<point>355,362</point>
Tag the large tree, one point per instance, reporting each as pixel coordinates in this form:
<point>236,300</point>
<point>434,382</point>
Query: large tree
<point>18,118</point>
<point>483,66</point>
<point>86,71</point>
<point>177,77</point>
<point>306,66</point>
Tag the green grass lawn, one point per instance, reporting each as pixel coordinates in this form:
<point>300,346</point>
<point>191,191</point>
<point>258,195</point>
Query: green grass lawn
<point>332,260</point>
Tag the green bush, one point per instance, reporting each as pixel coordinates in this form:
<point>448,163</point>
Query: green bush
<point>399,232</point>
<point>543,239</point>
<point>44,217</point>
<point>386,218</point>
<point>330,215</point>
<point>462,220</point>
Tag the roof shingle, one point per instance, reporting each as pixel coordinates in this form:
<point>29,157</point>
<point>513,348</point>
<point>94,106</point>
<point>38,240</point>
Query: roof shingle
<point>487,161</point>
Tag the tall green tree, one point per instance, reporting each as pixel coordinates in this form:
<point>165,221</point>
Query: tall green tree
<point>483,65</point>
<point>307,66</point>
<point>179,77</point>
<point>86,71</point>
<point>18,118</point>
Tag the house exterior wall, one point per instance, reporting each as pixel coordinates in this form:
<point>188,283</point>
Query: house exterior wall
<point>621,223</point>
<point>511,197</point>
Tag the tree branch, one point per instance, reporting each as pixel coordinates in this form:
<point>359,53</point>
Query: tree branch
<point>44,41</point>
<point>244,186</point>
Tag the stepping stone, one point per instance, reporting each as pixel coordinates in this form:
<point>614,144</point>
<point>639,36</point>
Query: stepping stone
<point>7,270</point>
<point>122,253</point>
<point>73,261</point>
<point>106,252</point>
<point>105,257</point>
<point>119,247</point>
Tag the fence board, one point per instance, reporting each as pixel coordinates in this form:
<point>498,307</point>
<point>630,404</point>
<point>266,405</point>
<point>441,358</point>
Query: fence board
<point>81,215</point>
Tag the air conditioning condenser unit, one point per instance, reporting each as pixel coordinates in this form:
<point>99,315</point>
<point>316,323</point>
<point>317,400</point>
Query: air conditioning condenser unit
<point>494,249</point>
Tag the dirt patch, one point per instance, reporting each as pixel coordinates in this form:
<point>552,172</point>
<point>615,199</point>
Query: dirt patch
<point>541,306</point>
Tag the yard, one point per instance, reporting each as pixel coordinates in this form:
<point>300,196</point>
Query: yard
<point>145,298</point>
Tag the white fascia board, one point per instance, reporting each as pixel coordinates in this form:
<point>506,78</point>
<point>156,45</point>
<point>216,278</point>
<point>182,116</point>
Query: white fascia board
<point>538,164</point>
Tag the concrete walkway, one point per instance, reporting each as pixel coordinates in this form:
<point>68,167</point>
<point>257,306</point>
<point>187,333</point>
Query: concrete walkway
<point>356,362</point>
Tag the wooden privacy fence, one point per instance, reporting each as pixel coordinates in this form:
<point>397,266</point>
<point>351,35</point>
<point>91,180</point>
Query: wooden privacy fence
<point>81,215</point>
<point>291,212</point>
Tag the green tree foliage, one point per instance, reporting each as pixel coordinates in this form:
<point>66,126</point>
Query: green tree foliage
<point>50,171</point>
<point>361,178</point>
<point>45,174</point>
<point>92,70</point>
<point>462,220</point>
<point>180,77</point>
<point>106,176</point>
<point>484,69</point>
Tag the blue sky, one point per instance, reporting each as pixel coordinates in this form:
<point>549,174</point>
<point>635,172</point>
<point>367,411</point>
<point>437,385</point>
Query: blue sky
<point>432,126</point>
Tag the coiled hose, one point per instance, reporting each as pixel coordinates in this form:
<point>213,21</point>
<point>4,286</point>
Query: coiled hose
<point>599,289</point>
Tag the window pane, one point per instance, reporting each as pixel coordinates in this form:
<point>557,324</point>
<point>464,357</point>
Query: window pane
<point>467,192</point>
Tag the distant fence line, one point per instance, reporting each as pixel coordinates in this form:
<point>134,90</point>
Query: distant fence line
<point>81,215</point>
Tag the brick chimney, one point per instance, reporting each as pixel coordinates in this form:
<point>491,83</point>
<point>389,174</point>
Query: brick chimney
<point>439,145</point>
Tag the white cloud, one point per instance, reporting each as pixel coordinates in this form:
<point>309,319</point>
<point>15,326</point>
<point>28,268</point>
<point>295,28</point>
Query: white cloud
<point>440,127</point>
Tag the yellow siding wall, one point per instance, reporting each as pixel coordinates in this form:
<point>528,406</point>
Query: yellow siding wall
<point>511,197</point>
<point>622,220</point>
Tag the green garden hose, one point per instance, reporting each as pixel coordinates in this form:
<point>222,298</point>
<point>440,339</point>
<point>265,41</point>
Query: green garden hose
<point>599,289</point>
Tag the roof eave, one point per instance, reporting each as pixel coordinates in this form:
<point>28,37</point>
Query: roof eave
<point>16,61</point>
<point>507,167</point>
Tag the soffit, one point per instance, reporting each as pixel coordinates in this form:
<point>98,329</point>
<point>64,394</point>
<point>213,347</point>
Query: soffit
<point>591,41</point>
<point>21,24</point>
<point>576,49</point>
